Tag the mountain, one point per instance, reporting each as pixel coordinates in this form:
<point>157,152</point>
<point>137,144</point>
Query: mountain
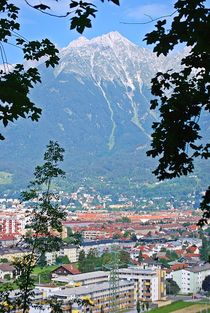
<point>96,105</point>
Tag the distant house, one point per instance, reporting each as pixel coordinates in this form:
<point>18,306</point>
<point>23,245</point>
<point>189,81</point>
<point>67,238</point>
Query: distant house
<point>6,270</point>
<point>65,269</point>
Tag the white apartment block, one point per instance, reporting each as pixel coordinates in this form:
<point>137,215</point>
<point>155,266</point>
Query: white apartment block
<point>190,279</point>
<point>97,277</point>
<point>150,284</point>
<point>71,251</point>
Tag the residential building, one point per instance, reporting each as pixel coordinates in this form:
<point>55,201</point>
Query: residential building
<point>71,251</point>
<point>84,278</point>
<point>11,253</point>
<point>12,223</point>
<point>190,279</point>
<point>65,269</point>
<point>149,284</point>
<point>100,295</point>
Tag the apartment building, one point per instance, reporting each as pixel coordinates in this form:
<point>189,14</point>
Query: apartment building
<point>11,224</point>
<point>190,279</point>
<point>71,251</point>
<point>100,296</point>
<point>150,284</point>
<point>11,253</point>
<point>85,278</point>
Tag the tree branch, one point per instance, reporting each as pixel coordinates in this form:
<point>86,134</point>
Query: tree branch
<point>47,13</point>
<point>151,19</point>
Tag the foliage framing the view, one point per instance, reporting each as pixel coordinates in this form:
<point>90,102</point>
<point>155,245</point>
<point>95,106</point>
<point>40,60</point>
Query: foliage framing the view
<point>182,96</point>
<point>17,81</point>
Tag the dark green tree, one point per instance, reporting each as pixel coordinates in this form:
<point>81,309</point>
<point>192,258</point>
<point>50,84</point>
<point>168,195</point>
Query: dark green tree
<point>182,96</point>
<point>116,236</point>
<point>124,258</point>
<point>106,258</point>
<point>133,237</point>
<point>62,260</point>
<point>4,260</point>
<point>172,255</point>
<point>92,260</point>
<point>7,277</point>
<point>124,219</point>
<point>164,262</point>
<point>81,260</point>
<point>140,257</point>
<point>206,283</point>
<point>127,234</point>
<point>205,249</point>
<point>42,260</point>
<point>171,287</point>
<point>73,238</point>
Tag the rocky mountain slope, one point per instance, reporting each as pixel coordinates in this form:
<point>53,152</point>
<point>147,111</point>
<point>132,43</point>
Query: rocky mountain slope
<point>96,104</point>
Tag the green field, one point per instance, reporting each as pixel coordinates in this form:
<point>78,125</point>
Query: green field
<point>43,275</point>
<point>173,307</point>
<point>44,270</point>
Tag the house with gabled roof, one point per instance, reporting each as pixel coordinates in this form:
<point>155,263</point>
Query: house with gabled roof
<point>65,269</point>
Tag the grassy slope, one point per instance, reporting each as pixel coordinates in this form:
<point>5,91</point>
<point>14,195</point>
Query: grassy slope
<point>39,270</point>
<point>172,307</point>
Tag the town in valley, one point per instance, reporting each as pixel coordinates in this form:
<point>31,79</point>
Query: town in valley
<point>120,256</point>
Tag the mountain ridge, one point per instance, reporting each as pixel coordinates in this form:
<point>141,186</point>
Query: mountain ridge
<point>96,104</point>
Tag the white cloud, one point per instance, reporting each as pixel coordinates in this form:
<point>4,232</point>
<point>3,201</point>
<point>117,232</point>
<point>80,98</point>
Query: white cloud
<point>153,10</point>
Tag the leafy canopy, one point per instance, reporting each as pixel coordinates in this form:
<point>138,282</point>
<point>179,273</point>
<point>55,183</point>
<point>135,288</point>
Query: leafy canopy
<point>182,96</point>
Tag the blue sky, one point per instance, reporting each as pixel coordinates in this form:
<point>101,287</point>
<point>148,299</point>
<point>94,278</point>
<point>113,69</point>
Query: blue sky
<point>35,25</point>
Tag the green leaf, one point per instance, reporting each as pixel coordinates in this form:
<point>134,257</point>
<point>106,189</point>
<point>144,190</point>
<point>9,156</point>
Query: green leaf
<point>41,6</point>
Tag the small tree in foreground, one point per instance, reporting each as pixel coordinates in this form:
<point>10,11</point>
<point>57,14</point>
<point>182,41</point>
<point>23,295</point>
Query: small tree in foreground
<point>45,227</point>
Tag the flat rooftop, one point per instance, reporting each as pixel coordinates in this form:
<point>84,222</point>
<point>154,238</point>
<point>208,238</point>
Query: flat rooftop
<point>89,289</point>
<point>80,277</point>
<point>136,270</point>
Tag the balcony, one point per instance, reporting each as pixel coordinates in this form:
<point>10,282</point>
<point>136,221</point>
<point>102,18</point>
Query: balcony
<point>146,289</point>
<point>147,283</point>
